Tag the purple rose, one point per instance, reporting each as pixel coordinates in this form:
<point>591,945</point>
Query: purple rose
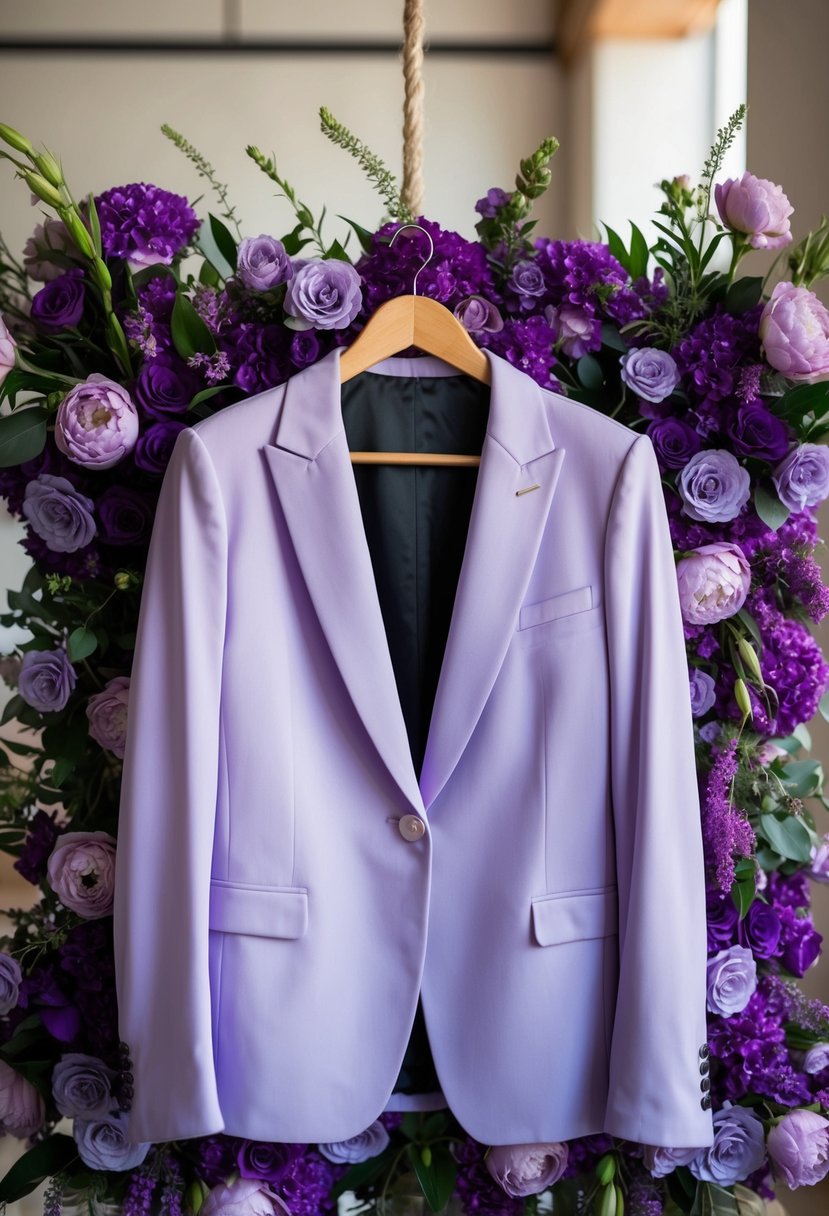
<point>756,432</point>
<point>154,446</point>
<point>46,679</point>
<point>59,305</point>
<point>721,917</point>
<point>760,930</point>
<point>103,1144</point>
<point>816,1059</point>
<point>492,200</point>
<point>369,1143</point>
<point>265,1160</point>
<point>8,351</point>
<point>713,583</point>
<point>799,1148</point>
<point>756,207</point>
<point>81,872</point>
<point>732,980</point>
<point>305,348</point>
<point>165,386</point>
<point>323,294</point>
<point>576,331</point>
<point>527,281</point>
<point>145,224</point>
<point>244,1197</point>
<point>703,693</point>
<point>106,712</point>
<point>660,1162</point>
<point>526,1169</point>
<point>674,442</point>
<point>802,479</point>
<point>82,1086</point>
<point>738,1149</point>
<point>10,977</point>
<point>262,263</point>
<point>58,513</point>
<point>479,316</point>
<point>794,331</point>
<point>714,486</point>
<point>126,515</point>
<point>651,373</point>
<point>801,946</point>
<point>96,424</point>
<point>22,1109</point>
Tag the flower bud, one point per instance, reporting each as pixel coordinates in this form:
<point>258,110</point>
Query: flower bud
<point>78,231</point>
<point>426,1155</point>
<point>46,164</point>
<point>742,698</point>
<point>195,1196</point>
<point>122,580</point>
<point>620,1200</point>
<point>606,1205</point>
<point>749,656</point>
<point>103,275</point>
<point>15,140</point>
<point>43,189</point>
<point>606,1168</point>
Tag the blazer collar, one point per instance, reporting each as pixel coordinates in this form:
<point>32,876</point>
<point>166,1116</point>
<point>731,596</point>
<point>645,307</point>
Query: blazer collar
<point>314,479</point>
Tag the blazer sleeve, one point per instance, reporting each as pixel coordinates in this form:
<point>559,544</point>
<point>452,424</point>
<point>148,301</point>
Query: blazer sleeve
<point>168,807</point>
<point>655,1083</point>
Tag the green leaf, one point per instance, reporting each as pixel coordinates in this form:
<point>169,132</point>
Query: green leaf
<point>713,1200</point>
<point>61,769</point>
<point>437,1179</point>
<point>21,381</point>
<point>48,1157</point>
<point>787,836</point>
<point>804,399</point>
<point>294,241</point>
<point>638,253</point>
<point>12,709</point>
<point>743,891</point>
<point>364,1173</point>
<point>94,224</point>
<point>589,372</point>
<point>804,738</point>
<point>617,246</point>
<point>209,275</point>
<point>22,435</point>
<point>224,240</point>
<point>803,778</point>
<point>190,334</point>
<point>749,1202</point>
<point>769,507</point>
<point>612,338</point>
<point>336,251</point>
<point>80,643</point>
<point>824,706</point>
<point>743,294</point>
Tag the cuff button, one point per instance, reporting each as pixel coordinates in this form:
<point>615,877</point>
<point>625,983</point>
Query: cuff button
<point>704,1051</point>
<point>705,1085</point>
<point>705,1102</point>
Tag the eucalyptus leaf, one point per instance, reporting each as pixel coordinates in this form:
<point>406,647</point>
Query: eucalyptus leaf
<point>589,372</point>
<point>769,507</point>
<point>803,778</point>
<point>22,435</point>
<point>824,707</point>
<point>713,1200</point>
<point>80,643</point>
<point>789,836</point>
<point>801,733</point>
<point>612,338</point>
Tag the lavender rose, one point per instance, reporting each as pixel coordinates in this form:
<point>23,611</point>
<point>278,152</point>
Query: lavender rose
<point>713,583</point>
<point>262,263</point>
<point>479,316</point>
<point>527,281</point>
<point>674,442</point>
<point>802,479</point>
<point>58,513</point>
<point>8,347</point>
<point>794,331</point>
<point>526,1169</point>
<point>81,872</point>
<point>22,1109</point>
<point>245,1197</point>
<point>59,305</point>
<point>82,1086</point>
<point>732,980</point>
<point>651,373</point>
<point>369,1143</point>
<point>106,712</point>
<point>10,979</point>
<point>46,679</point>
<point>703,693</point>
<point>799,1148</point>
<point>577,333</point>
<point>816,1059</point>
<point>756,432</point>
<point>738,1149</point>
<point>756,207</point>
<point>714,486</point>
<point>660,1162</point>
<point>819,863</point>
<point>323,294</point>
<point>103,1144</point>
<point>96,424</point>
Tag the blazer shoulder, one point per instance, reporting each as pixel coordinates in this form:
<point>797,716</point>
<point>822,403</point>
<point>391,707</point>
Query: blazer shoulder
<point>249,421</point>
<point>582,423</point>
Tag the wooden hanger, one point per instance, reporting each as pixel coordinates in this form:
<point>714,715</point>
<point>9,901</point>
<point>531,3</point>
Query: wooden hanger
<point>414,321</point>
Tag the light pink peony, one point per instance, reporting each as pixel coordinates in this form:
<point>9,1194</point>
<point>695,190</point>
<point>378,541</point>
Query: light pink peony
<point>81,872</point>
<point>756,207</point>
<point>245,1197</point>
<point>799,1148</point>
<point>96,424</point>
<point>8,347</point>
<point>794,330</point>
<point>713,583</point>
<point>107,715</point>
<point>22,1109</point>
<point>526,1169</point>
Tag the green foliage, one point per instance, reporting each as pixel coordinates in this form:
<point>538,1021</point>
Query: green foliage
<point>509,226</point>
<point>205,170</point>
<point>48,1157</point>
<point>303,212</point>
<point>372,165</point>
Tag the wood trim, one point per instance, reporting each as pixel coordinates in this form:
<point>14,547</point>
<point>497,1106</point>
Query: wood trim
<point>582,22</point>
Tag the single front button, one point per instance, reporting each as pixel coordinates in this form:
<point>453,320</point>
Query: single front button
<point>411,827</point>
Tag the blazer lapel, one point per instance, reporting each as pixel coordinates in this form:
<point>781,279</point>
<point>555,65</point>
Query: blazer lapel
<point>505,531</point>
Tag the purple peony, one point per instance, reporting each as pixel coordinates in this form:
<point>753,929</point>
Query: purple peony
<point>46,679</point>
<point>794,330</point>
<point>165,386</point>
<point>757,208</point>
<point>262,263</point>
<point>81,872</point>
<point>738,1149</point>
<point>244,1197</point>
<point>703,694</point>
<point>103,1144</point>
<point>58,513</point>
<point>144,224</point>
<point>660,1162</point>
<point>713,583</point>
<point>651,373</point>
<point>714,486</point>
<point>479,316</point>
<point>22,1109</point>
<point>96,424</point>
<point>10,978</point>
<point>799,1148</point>
<point>526,1169</point>
<point>323,294</point>
<point>106,712</point>
<point>369,1143</point>
<point>59,305</point>
<point>802,479</point>
<point>82,1086</point>
<point>674,442</point>
<point>732,980</point>
<point>757,432</point>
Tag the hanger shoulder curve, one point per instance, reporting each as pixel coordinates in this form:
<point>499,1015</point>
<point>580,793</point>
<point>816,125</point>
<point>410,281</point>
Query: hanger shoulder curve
<point>414,321</point>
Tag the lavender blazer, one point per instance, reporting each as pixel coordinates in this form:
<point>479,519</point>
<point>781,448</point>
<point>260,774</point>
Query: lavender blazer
<point>305,852</point>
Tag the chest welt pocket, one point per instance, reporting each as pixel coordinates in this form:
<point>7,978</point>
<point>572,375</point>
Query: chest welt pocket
<point>560,615</point>
<point>575,916</point>
<point>259,911</point>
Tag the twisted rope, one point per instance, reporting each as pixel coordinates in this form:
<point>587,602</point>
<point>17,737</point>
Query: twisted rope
<point>412,189</point>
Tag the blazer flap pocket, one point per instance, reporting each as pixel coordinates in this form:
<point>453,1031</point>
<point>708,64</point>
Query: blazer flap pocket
<point>577,600</point>
<point>258,911</point>
<point>575,917</point>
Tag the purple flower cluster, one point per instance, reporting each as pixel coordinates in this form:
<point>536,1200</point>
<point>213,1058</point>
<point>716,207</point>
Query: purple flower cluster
<point>586,275</point>
<point>709,360</point>
<point>726,831</point>
<point>477,1190</point>
<point>144,224</point>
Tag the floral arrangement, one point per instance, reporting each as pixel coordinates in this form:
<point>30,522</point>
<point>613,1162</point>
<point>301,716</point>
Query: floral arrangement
<point>126,320</point>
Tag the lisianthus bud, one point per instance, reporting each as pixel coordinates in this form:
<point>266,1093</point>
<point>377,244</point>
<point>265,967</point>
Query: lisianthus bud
<point>46,164</point>
<point>742,698</point>
<point>78,232</point>
<point>102,274</point>
<point>122,580</point>
<point>15,140</point>
<point>749,656</point>
<point>43,189</point>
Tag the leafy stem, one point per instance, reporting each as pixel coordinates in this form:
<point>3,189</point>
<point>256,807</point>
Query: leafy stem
<point>302,211</point>
<point>372,165</point>
<point>205,170</point>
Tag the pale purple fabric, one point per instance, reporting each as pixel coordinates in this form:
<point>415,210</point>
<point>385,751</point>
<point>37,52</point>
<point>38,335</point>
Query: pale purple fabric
<point>273,928</point>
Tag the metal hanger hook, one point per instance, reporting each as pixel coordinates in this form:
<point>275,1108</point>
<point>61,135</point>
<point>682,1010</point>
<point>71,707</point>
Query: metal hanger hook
<point>431,249</point>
